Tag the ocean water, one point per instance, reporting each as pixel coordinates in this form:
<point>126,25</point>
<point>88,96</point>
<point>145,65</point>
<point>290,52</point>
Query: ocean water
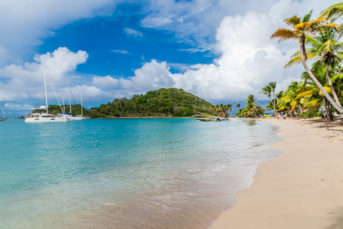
<point>126,173</point>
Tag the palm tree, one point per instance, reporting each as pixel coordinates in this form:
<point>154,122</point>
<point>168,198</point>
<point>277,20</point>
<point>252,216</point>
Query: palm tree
<point>266,90</point>
<point>330,51</point>
<point>272,86</point>
<point>302,27</point>
<point>228,107</point>
<point>327,48</point>
<point>251,110</point>
<point>251,100</point>
<point>287,101</point>
<point>269,90</point>
<point>318,68</point>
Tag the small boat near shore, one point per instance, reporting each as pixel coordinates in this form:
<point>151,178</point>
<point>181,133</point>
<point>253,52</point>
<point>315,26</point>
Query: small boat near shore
<point>215,119</point>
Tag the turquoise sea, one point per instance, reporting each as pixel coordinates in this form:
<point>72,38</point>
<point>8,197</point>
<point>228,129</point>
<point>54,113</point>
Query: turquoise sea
<point>126,173</point>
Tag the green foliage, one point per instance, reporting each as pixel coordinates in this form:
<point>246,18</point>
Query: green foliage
<point>76,109</point>
<point>310,113</point>
<point>251,110</point>
<point>158,103</point>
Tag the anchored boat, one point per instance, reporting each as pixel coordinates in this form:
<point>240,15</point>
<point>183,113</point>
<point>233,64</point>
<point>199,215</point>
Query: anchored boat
<point>41,114</point>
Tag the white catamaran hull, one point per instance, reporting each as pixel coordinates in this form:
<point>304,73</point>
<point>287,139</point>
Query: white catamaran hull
<point>77,118</point>
<point>46,119</point>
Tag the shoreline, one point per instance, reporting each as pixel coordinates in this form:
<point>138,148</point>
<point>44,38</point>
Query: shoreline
<point>299,189</point>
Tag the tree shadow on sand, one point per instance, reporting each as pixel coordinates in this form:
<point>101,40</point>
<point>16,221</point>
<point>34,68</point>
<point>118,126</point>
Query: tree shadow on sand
<point>338,220</point>
<point>336,125</point>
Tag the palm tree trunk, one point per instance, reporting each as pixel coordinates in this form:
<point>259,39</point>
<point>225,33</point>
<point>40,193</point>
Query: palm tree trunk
<point>325,108</point>
<point>331,85</point>
<point>290,113</point>
<point>328,110</point>
<point>315,80</point>
<point>274,105</point>
<point>330,115</point>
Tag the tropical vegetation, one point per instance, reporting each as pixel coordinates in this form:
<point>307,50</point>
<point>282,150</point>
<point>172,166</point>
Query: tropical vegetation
<point>320,90</point>
<point>163,102</point>
<point>251,110</point>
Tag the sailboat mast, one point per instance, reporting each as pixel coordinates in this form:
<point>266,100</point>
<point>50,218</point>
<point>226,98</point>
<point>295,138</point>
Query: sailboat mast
<point>46,96</point>
<point>70,105</point>
<point>81,107</point>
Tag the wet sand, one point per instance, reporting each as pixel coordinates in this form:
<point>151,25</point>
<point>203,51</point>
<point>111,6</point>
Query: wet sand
<point>300,189</point>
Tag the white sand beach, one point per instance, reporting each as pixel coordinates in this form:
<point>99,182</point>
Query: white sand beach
<point>300,189</point>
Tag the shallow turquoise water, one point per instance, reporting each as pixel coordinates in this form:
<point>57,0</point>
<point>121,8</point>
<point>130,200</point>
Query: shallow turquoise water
<point>131,173</point>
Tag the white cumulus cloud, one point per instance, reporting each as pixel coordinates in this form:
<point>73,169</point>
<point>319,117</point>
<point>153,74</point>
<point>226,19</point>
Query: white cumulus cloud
<point>22,82</point>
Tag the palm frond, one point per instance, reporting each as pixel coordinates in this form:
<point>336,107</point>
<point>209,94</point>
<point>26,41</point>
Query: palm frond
<point>297,59</point>
<point>283,34</point>
<point>327,89</point>
<point>293,20</point>
<point>313,41</point>
<point>306,94</point>
<point>317,20</point>
<point>333,11</point>
<point>272,86</point>
<point>293,61</point>
<point>301,26</point>
<point>307,17</point>
<point>294,105</point>
<point>313,103</point>
<point>333,25</point>
<point>285,99</point>
<point>317,25</point>
<point>296,54</point>
<point>336,77</point>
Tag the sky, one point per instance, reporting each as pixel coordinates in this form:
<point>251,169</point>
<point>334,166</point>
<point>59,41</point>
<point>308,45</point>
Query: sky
<point>219,50</point>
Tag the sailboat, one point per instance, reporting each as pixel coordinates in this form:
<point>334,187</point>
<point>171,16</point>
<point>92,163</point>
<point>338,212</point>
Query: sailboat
<point>70,116</point>
<point>41,114</point>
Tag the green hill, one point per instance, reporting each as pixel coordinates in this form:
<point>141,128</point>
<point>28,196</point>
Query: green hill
<point>158,103</point>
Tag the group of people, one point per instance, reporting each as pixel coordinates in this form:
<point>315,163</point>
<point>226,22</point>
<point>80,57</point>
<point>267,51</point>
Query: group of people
<point>281,116</point>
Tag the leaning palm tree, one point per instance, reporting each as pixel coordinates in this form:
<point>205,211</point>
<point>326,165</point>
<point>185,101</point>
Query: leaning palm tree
<point>302,27</point>
<point>327,48</point>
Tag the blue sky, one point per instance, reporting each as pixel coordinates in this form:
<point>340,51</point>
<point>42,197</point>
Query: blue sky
<point>117,45</point>
<point>216,49</point>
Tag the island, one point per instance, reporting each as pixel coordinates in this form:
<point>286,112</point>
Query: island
<point>164,103</point>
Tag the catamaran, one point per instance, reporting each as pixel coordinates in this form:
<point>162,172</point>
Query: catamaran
<point>41,114</point>
<point>70,116</point>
